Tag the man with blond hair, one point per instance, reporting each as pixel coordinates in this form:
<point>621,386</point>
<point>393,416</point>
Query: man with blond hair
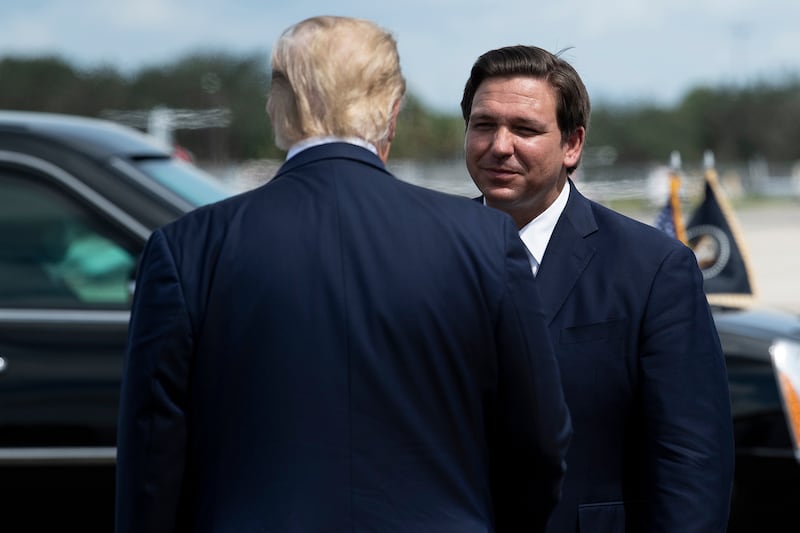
<point>338,350</point>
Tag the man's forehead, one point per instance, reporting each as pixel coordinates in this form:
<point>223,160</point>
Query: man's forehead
<point>521,95</point>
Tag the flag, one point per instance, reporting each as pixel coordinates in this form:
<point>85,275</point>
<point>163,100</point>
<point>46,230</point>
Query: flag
<point>670,218</point>
<point>713,234</point>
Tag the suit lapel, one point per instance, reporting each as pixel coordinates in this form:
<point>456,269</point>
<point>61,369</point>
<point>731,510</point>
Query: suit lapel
<point>567,253</point>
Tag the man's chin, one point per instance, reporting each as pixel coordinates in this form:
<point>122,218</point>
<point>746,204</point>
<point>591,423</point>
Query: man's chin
<point>502,198</point>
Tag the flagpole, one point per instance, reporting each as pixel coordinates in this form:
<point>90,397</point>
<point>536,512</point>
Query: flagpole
<point>675,196</point>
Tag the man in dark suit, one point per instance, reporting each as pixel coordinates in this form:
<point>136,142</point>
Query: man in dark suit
<point>338,350</point>
<point>643,371</point>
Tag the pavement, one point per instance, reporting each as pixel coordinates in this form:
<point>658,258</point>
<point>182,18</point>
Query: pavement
<point>772,239</point>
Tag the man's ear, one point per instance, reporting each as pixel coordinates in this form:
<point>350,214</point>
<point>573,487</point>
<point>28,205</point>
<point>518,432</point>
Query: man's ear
<point>386,144</point>
<point>574,147</point>
<point>393,120</point>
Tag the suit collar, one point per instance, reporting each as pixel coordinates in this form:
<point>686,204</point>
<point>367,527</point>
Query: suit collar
<point>568,252</point>
<point>579,211</point>
<point>334,150</point>
<point>316,141</point>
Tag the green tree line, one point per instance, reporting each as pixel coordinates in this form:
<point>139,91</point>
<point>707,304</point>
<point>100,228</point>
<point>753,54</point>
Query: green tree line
<point>737,123</point>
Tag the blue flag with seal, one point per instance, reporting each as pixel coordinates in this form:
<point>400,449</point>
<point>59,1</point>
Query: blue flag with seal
<point>713,234</point>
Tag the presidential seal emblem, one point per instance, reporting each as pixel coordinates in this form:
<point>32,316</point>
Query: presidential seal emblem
<point>712,248</point>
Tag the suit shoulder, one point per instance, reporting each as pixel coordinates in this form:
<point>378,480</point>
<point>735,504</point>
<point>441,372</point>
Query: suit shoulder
<point>461,220</point>
<point>202,231</point>
<point>462,206</point>
<point>203,216</point>
<point>632,229</point>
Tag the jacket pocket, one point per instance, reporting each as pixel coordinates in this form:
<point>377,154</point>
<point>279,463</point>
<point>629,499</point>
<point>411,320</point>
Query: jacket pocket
<point>609,517</point>
<point>611,329</point>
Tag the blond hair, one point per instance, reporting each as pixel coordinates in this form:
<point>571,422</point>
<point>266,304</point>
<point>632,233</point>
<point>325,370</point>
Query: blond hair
<point>334,76</point>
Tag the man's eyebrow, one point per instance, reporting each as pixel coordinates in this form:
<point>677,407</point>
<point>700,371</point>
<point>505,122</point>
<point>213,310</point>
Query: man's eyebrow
<point>514,121</point>
<point>481,115</point>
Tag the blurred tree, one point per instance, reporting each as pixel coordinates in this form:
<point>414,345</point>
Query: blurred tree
<point>640,134</point>
<point>738,123</point>
<point>103,88</point>
<point>212,81</point>
<point>41,84</point>
<point>744,123</point>
<point>426,135</point>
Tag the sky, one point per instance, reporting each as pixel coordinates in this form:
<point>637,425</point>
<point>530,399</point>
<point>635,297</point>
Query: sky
<point>627,51</point>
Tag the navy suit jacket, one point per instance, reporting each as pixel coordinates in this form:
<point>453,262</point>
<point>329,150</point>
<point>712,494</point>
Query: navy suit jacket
<point>644,377</point>
<point>338,350</point>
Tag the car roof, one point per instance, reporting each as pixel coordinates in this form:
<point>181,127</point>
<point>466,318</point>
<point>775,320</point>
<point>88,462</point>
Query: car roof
<point>97,137</point>
<point>765,324</point>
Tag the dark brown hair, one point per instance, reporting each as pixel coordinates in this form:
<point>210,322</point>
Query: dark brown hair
<point>572,100</point>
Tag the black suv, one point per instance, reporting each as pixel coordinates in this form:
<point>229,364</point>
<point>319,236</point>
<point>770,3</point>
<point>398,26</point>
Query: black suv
<point>762,352</point>
<point>78,199</point>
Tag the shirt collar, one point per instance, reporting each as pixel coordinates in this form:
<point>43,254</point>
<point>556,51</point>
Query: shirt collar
<point>316,141</point>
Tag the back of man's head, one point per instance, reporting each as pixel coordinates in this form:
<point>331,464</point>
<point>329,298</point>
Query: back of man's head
<point>334,76</point>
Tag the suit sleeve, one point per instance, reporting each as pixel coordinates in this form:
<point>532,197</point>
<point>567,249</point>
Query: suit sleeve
<point>151,439</point>
<point>686,404</point>
<point>533,428</point>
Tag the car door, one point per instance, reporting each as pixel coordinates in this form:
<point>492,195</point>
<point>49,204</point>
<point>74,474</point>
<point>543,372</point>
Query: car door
<point>67,258</point>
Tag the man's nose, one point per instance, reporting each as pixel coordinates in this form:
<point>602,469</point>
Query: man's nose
<point>503,142</point>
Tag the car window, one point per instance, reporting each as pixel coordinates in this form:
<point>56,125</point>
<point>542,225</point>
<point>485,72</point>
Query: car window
<point>55,252</point>
<point>187,181</point>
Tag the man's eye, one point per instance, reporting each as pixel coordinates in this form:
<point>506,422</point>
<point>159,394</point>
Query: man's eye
<point>482,125</point>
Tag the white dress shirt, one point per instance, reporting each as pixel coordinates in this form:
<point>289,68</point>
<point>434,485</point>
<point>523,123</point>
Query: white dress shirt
<point>536,233</point>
